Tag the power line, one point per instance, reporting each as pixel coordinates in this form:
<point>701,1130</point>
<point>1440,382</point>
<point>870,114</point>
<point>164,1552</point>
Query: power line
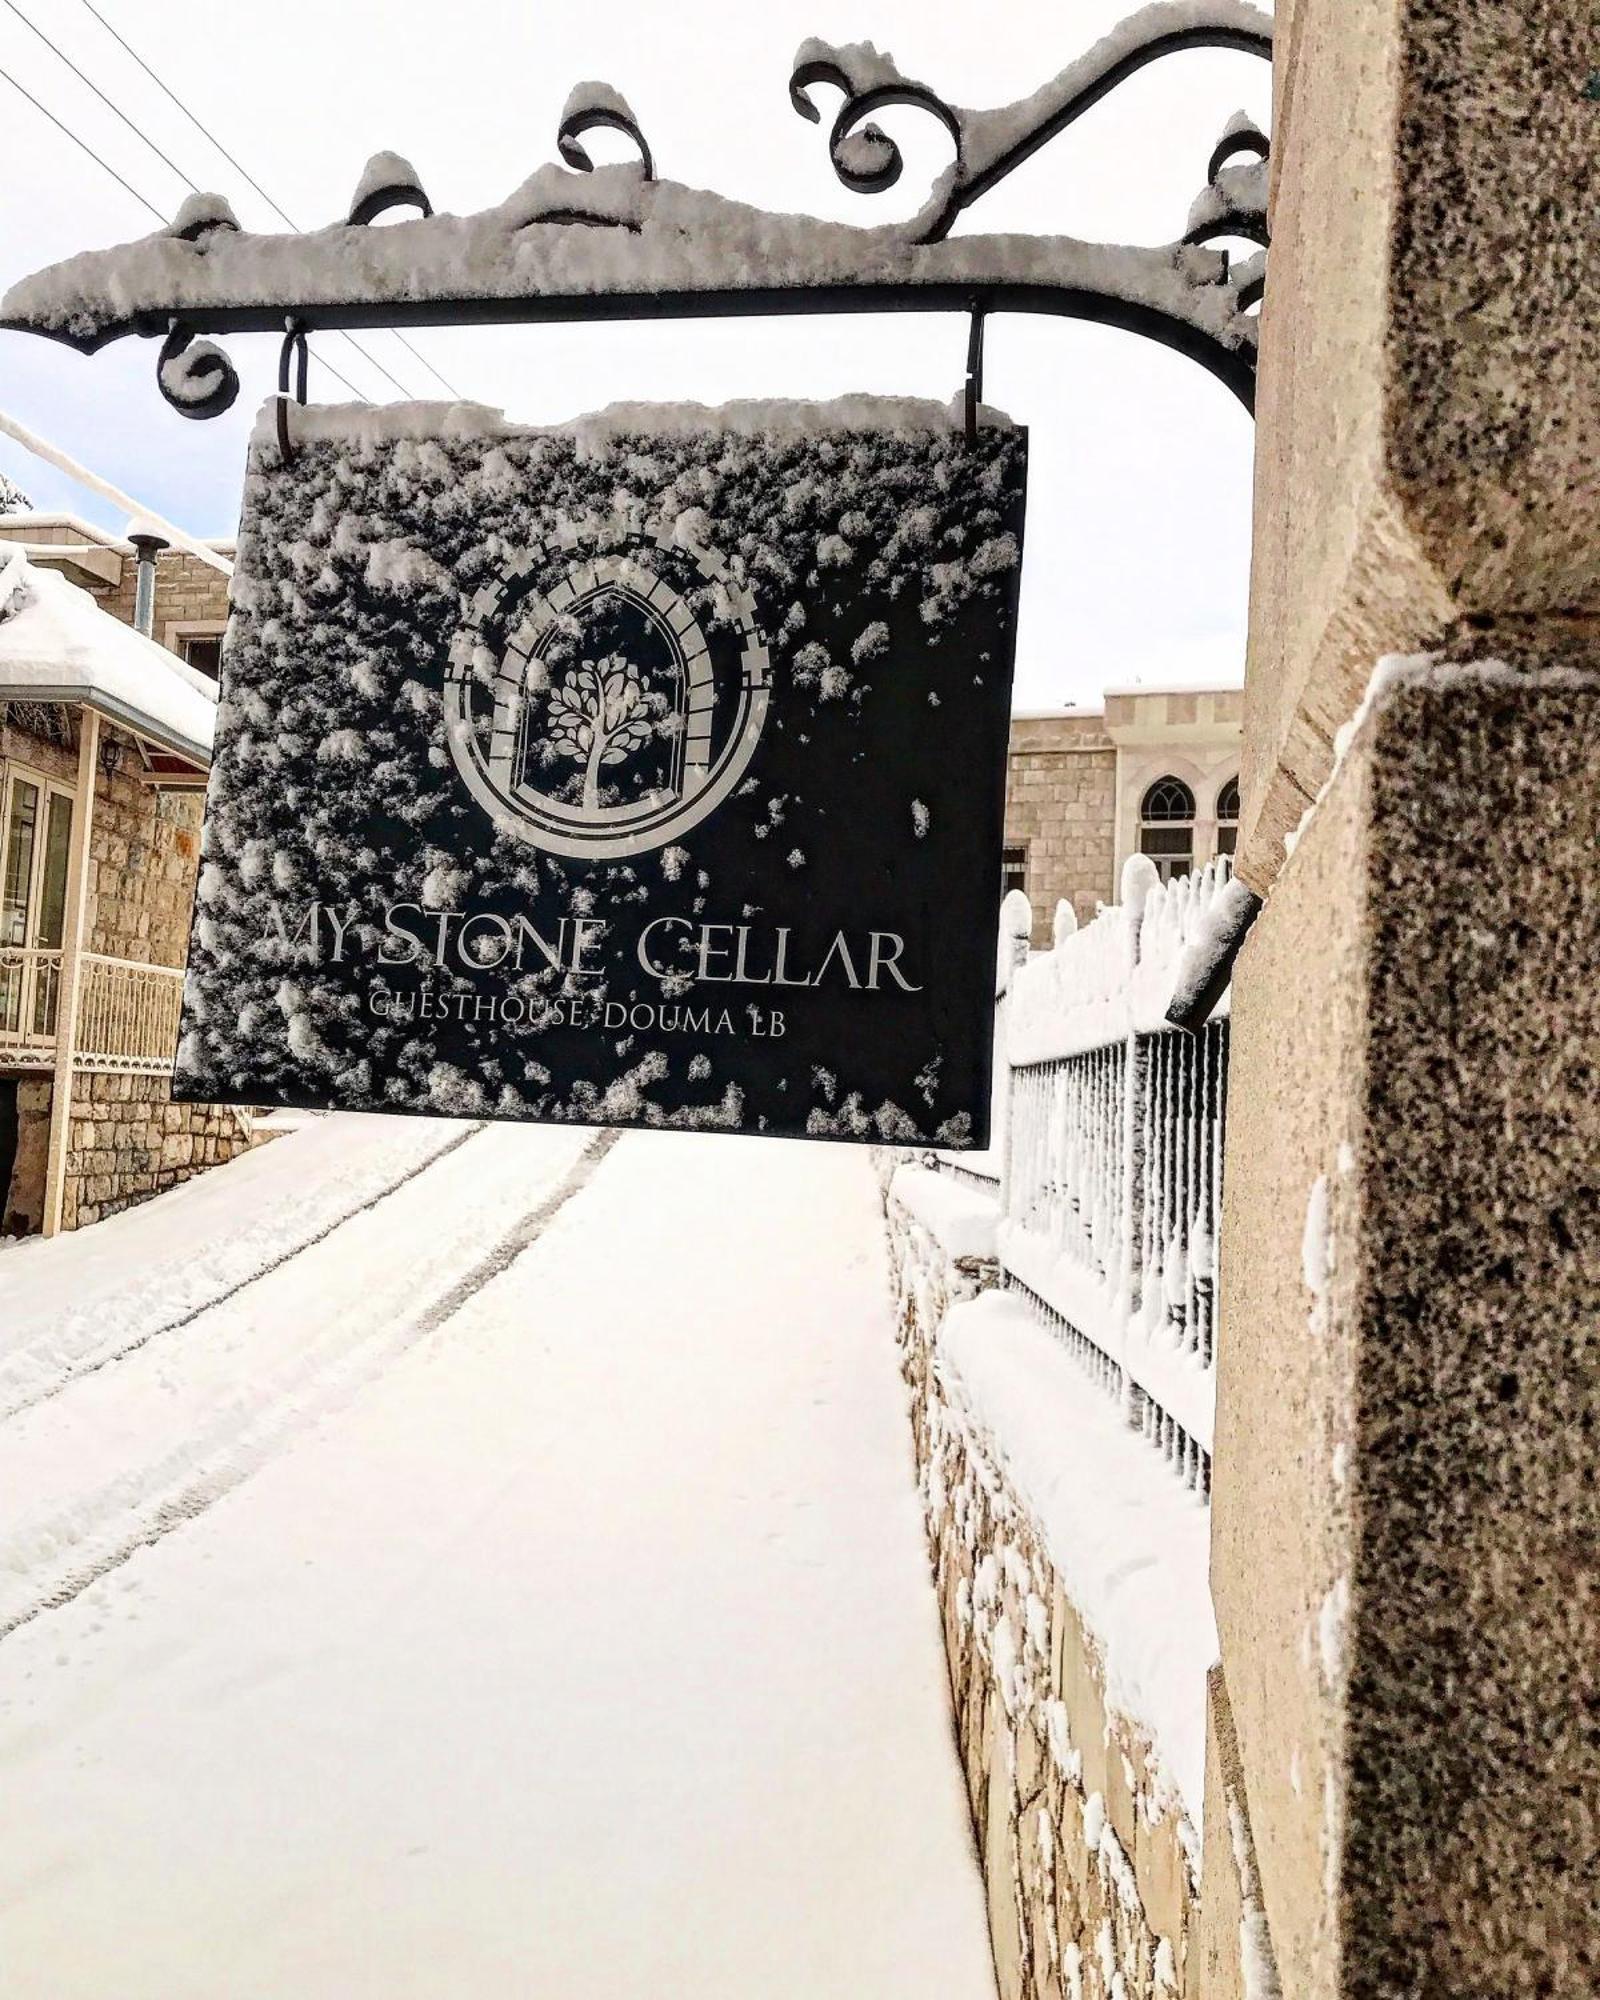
<point>250,179</point>
<point>90,84</point>
<point>203,130</point>
<point>84,147</point>
<point>187,179</point>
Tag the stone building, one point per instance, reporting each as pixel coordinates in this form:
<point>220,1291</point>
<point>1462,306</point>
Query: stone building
<point>1151,771</point>
<point>104,745</point>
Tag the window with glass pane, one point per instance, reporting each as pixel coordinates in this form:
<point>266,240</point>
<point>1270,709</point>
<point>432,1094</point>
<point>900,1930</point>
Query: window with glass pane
<point>1166,827</point>
<point>22,830</point>
<point>1013,870</point>
<point>35,841</point>
<point>1228,817</point>
<point>50,921</point>
<point>203,650</point>
<point>21,833</point>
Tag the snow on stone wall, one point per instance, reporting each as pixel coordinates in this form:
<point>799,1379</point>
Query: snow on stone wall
<point>1089,1841</point>
<point>1072,1566</point>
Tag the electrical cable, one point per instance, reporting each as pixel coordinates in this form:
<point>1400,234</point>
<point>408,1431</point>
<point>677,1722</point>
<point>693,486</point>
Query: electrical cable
<point>63,462</point>
<point>211,138</point>
<point>167,161</point>
<point>84,147</point>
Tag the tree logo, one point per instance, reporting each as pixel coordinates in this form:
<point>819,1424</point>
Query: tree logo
<point>599,705</point>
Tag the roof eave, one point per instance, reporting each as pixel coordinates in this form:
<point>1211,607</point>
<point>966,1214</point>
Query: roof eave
<point>109,709</point>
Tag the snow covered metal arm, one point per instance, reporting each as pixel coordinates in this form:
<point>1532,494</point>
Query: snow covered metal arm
<point>578,242</point>
<point>990,144</point>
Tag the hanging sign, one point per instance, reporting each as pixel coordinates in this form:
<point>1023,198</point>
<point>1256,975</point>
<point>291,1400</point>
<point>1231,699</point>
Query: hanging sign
<point>647,771</point>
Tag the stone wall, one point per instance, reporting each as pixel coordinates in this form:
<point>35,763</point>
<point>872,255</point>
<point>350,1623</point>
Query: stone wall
<point>18,745</point>
<point>143,853</point>
<point>127,1141</point>
<point>1406,1511</point>
<point>1427,422</point>
<point>1091,1875</point>
<point>1406,1516</point>
<point>1061,803</point>
<point>188,591</point>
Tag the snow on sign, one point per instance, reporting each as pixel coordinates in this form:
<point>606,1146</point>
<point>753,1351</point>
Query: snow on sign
<point>646,771</point>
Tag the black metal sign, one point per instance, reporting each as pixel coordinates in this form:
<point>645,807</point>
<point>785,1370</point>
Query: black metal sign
<point>647,772</point>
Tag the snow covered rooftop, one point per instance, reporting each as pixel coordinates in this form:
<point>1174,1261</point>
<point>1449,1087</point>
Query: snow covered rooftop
<point>1072,711</point>
<point>1204,683</point>
<point>35,519</point>
<point>56,644</point>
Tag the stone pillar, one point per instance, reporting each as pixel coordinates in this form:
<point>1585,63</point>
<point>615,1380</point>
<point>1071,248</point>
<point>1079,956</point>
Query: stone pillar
<point>73,942</point>
<point>1406,1521</point>
<point>1429,423</point>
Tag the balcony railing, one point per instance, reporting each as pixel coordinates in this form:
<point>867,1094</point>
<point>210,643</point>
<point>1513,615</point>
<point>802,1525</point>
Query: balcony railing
<point>127,1011</point>
<point>30,984</point>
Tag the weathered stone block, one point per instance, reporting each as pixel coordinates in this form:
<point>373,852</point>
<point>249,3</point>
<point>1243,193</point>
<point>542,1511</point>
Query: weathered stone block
<point>1119,1782</point>
<point>1000,1865</point>
<point>1162,1873</point>
<point>1405,1507</point>
<point>1427,416</point>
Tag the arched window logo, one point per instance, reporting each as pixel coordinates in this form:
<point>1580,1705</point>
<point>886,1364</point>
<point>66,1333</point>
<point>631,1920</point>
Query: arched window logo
<point>589,710</point>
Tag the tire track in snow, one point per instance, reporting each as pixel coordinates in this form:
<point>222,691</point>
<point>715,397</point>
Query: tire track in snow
<point>77,1370</point>
<point>518,1238</point>
<point>211,1483</point>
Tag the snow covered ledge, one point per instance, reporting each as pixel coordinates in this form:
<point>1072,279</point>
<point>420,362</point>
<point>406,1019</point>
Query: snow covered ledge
<point>941,1250</point>
<point>1071,1573</point>
<point>1071,1569</point>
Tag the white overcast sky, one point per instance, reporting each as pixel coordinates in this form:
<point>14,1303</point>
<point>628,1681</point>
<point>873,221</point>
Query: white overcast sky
<point>1138,526</point>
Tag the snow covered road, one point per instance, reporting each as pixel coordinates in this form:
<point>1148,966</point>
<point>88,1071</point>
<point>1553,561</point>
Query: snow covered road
<point>455,1561</point>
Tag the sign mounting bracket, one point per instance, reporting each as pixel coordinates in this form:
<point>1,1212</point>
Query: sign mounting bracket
<point>579,242</point>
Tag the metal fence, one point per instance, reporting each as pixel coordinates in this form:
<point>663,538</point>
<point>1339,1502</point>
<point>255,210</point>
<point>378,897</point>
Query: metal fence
<point>127,1012</point>
<point>1107,1152</point>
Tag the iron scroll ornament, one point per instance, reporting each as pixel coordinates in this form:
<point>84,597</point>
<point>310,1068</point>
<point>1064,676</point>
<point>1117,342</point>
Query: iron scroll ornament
<point>673,252</point>
<point>989,145</point>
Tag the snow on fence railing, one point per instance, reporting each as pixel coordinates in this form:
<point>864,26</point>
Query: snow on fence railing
<point>983,1169</point>
<point>1108,1130</point>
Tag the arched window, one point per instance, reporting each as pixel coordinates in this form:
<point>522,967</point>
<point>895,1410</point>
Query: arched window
<point>1166,827</point>
<point>1228,817</point>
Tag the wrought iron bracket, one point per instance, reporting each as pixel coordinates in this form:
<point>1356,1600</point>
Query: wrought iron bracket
<point>578,242</point>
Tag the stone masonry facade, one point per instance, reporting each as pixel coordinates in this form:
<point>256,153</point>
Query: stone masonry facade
<point>143,853</point>
<point>1061,795</point>
<point>1091,1874</point>
<point>128,1141</point>
<point>188,592</point>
